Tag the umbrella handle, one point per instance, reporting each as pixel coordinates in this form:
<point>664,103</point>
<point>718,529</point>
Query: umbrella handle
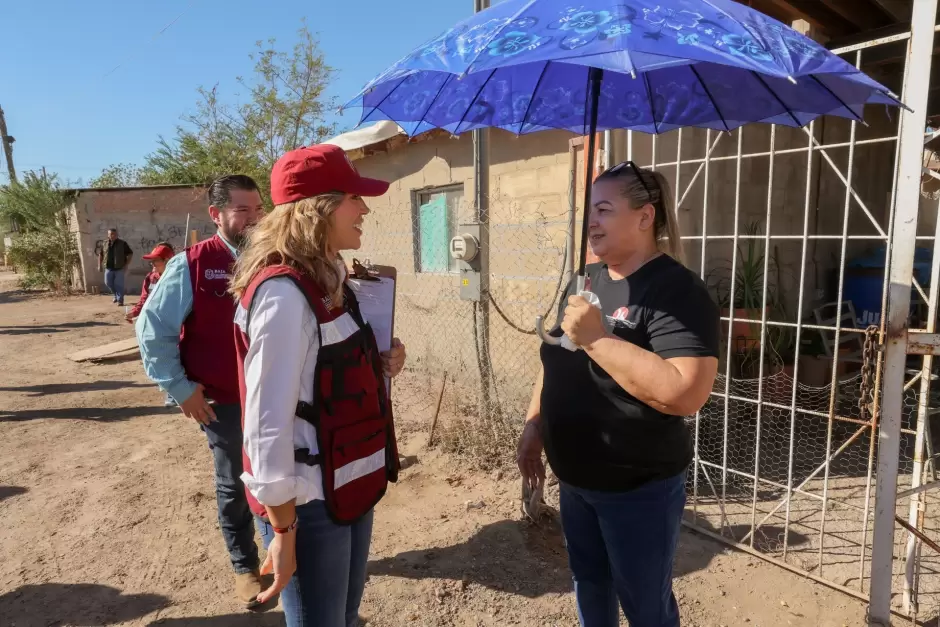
<point>545,337</point>
<point>539,326</point>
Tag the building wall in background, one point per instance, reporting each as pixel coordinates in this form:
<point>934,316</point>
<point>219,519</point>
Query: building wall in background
<point>143,217</point>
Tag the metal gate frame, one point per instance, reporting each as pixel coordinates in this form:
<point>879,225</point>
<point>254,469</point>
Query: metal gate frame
<point>903,241</point>
<point>897,339</point>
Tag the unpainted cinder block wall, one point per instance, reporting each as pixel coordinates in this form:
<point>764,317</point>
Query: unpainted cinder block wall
<point>528,205</point>
<point>143,217</point>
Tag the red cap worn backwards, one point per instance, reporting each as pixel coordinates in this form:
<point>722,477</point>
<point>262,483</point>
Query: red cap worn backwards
<point>321,169</point>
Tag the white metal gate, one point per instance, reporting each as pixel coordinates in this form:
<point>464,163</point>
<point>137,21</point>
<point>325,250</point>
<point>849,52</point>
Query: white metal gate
<point>819,413</point>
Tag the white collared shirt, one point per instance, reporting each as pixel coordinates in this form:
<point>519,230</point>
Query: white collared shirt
<point>279,370</point>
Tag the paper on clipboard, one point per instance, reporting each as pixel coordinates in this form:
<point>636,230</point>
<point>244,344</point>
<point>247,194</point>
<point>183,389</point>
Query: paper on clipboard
<point>377,305</point>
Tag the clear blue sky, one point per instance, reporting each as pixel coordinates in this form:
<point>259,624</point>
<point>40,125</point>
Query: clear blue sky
<point>70,110</point>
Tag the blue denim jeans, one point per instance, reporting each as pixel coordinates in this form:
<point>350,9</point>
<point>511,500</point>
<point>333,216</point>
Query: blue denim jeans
<point>235,519</point>
<point>327,588</point>
<point>621,546</point>
<point>114,279</point>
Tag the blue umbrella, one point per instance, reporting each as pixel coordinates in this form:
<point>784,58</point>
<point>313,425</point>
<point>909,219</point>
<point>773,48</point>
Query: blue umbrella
<point>646,65</point>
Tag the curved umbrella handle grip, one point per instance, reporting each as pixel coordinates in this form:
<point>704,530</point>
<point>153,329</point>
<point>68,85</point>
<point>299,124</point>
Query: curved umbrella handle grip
<point>545,337</point>
<point>539,326</point>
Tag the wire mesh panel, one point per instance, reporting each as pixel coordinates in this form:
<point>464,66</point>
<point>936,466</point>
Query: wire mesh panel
<point>477,378</point>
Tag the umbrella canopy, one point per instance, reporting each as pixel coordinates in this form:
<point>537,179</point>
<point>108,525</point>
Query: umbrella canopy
<point>526,65</point>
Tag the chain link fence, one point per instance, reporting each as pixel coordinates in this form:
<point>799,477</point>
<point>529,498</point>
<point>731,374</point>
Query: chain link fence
<point>473,363</point>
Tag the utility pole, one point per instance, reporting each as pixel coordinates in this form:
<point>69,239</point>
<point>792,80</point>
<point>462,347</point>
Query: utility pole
<point>481,175</point>
<point>7,140</point>
<point>7,146</point>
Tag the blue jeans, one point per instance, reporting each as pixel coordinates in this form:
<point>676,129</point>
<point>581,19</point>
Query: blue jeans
<point>235,519</point>
<point>621,545</point>
<point>114,279</point>
<point>327,588</point>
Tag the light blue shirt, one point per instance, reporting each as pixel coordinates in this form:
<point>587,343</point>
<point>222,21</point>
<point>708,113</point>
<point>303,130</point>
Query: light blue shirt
<point>160,323</point>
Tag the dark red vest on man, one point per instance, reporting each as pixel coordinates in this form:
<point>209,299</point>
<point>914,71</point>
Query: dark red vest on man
<point>207,343</point>
<point>351,411</point>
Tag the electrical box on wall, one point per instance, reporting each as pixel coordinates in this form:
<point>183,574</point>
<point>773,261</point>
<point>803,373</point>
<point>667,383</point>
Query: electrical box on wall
<point>465,248</point>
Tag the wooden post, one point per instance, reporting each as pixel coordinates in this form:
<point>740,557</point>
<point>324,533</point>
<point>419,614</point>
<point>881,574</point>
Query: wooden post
<point>437,411</point>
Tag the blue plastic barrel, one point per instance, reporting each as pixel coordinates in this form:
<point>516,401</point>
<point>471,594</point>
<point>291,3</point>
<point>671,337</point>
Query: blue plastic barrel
<point>864,279</point>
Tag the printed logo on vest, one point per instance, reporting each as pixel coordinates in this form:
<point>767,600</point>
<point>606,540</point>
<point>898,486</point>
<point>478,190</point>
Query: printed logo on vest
<point>217,275</point>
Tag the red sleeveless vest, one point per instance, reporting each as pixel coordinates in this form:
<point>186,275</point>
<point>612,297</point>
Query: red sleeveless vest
<point>351,410</point>
<point>207,344</point>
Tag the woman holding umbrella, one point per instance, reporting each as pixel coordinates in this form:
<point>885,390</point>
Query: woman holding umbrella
<point>611,414</point>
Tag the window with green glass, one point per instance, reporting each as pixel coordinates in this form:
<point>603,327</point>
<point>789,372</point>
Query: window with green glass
<point>435,224</point>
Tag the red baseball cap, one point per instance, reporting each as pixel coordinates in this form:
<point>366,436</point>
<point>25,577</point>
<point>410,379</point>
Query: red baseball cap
<point>321,169</point>
<point>161,251</point>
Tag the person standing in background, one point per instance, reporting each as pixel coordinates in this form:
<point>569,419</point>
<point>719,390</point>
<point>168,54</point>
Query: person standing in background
<point>186,333</point>
<point>158,259</point>
<point>116,258</point>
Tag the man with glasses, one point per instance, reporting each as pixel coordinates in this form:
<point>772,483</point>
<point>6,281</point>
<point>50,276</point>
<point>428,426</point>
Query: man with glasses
<point>186,333</point>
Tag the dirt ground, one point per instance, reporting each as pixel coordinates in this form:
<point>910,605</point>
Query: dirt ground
<point>108,514</point>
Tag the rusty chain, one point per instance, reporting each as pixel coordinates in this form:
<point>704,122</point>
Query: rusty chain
<point>870,350</point>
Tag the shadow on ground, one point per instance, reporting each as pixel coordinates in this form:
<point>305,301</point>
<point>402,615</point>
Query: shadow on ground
<point>51,328</point>
<point>98,414</point>
<point>513,556</point>
<point>768,539</point>
<point>82,605</point>
<point>18,296</point>
<point>273,619</point>
<point>7,491</point>
<point>66,388</point>
<point>507,555</point>
<point>529,560</point>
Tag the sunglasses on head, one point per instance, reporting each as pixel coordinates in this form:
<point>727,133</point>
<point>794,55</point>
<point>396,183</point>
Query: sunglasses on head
<point>630,165</point>
<point>622,167</point>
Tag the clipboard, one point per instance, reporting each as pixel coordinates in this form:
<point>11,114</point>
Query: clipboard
<point>375,288</point>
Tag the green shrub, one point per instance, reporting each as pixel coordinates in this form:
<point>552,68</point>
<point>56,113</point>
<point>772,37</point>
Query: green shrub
<point>44,250</point>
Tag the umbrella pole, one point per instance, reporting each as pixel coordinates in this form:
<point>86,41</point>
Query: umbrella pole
<point>595,77</point>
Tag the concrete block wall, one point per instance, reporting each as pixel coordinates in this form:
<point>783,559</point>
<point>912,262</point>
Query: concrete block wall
<point>143,217</point>
<point>528,201</point>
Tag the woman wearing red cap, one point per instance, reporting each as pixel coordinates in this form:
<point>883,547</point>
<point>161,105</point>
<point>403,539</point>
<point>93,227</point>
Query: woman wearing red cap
<point>319,437</point>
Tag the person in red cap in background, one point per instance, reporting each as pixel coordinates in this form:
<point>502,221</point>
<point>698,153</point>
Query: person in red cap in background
<point>158,257</point>
<point>320,443</point>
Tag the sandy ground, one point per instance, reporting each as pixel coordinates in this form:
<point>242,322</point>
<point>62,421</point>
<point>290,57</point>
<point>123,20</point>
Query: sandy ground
<point>107,514</point>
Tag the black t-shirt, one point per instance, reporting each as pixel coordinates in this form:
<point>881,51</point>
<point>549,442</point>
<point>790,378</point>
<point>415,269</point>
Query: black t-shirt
<point>597,436</point>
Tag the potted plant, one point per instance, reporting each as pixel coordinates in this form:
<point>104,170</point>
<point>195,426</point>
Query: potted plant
<point>748,284</point>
